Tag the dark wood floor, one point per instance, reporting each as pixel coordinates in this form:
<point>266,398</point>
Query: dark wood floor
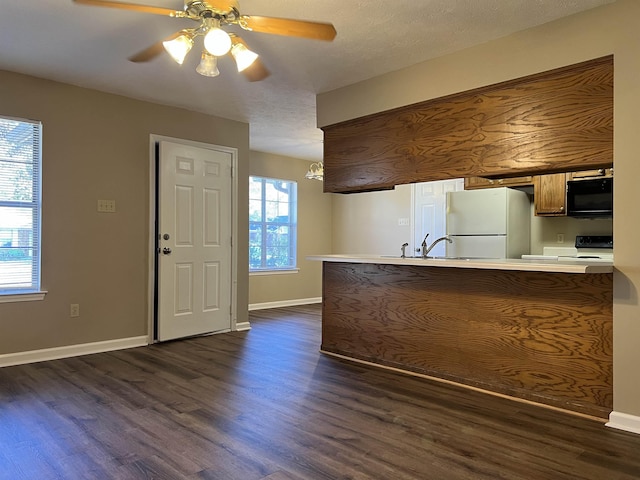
<point>265,404</point>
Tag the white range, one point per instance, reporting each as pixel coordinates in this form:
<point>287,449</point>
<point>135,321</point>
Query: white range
<point>573,254</point>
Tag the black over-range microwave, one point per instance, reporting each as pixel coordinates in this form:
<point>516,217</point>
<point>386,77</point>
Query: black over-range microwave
<point>591,198</point>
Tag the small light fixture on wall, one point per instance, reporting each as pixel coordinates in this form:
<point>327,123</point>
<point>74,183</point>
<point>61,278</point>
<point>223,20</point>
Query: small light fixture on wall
<point>316,171</point>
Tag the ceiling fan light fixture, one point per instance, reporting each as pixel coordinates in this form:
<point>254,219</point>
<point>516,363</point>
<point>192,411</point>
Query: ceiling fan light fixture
<point>178,47</point>
<point>208,65</point>
<point>243,56</point>
<point>217,42</point>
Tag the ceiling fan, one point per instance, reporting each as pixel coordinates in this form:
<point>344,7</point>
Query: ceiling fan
<point>211,16</point>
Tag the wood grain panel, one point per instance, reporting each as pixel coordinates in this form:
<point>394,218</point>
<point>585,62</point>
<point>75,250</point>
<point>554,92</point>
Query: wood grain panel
<point>550,194</point>
<point>560,120</point>
<point>541,336</point>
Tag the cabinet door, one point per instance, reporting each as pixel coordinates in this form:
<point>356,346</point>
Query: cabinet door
<point>550,194</point>
<point>597,173</point>
<point>515,181</point>
<point>474,183</point>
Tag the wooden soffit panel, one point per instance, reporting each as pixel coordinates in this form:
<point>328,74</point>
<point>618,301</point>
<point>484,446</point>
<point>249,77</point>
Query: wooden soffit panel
<point>556,121</point>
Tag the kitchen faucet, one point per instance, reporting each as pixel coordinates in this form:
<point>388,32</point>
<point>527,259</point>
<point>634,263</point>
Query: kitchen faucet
<point>425,250</point>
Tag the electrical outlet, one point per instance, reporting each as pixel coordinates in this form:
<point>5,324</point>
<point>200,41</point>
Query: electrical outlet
<point>560,238</point>
<point>74,311</point>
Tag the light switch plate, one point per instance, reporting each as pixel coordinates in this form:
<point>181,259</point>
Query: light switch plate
<point>107,206</point>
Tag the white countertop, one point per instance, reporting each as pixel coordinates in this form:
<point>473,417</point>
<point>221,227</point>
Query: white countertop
<point>555,266</point>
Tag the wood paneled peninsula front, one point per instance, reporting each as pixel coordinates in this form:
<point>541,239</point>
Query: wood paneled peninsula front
<point>539,331</point>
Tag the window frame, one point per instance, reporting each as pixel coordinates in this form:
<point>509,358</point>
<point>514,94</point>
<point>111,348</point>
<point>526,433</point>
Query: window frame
<point>32,292</point>
<point>264,224</point>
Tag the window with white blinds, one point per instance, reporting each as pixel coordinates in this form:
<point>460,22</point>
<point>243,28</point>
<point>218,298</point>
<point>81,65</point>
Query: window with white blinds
<point>20,205</point>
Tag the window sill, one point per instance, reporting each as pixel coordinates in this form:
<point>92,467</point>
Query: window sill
<point>23,297</point>
<point>274,272</point>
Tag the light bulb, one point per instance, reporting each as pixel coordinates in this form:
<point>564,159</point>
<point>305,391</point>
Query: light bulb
<point>208,65</point>
<point>178,47</point>
<point>217,42</point>
<point>243,56</point>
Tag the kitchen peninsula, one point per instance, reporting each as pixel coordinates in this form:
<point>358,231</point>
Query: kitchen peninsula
<point>539,331</point>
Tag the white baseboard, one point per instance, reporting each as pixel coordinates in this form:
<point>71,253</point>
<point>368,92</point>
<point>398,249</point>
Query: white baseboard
<point>243,326</point>
<point>32,356</point>
<point>624,421</point>
<point>284,303</point>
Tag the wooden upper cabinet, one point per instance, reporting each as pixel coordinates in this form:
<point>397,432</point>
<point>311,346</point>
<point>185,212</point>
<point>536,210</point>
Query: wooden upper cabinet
<point>550,194</point>
<point>555,121</point>
<point>474,183</point>
<point>588,174</point>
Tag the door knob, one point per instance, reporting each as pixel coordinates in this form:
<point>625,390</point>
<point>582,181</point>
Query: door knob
<point>166,250</point>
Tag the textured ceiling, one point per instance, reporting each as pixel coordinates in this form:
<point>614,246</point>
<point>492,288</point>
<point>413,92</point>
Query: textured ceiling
<point>89,46</point>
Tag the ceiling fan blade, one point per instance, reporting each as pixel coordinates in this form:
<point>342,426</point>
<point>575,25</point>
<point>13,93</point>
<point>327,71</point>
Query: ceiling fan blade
<point>154,50</point>
<point>223,5</point>
<point>130,6</point>
<point>148,53</point>
<point>288,27</point>
<point>256,72</point>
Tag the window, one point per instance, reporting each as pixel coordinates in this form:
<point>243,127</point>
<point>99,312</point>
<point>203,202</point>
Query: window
<point>20,156</point>
<point>272,224</point>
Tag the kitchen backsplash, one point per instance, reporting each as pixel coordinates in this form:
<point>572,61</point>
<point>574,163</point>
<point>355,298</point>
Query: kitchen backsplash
<point>562,231</point>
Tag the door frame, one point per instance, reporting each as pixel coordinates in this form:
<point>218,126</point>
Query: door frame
<point>153,176</point>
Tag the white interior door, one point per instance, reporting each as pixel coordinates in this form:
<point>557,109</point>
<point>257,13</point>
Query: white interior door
<point>430,211</point>
<point>195,230</point>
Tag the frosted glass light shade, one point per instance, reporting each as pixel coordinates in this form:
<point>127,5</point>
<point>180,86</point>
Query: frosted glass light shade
<point>217,42</point>
<point>208,65</point>
<point>178,47</point>
<point>243,56</point>
<point>316,171</point>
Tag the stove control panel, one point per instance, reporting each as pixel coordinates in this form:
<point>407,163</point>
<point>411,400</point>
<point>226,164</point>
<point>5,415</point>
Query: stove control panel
<point>594,241</point>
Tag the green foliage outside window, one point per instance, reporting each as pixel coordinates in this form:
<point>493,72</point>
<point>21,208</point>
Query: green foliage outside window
<point>272,224</point>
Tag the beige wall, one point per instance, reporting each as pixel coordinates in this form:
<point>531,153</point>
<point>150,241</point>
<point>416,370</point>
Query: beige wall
<point>544,230</point>
<point>96,146</point>
<point>612,29</point>
<point>314,233</point>
<point>367,223</point>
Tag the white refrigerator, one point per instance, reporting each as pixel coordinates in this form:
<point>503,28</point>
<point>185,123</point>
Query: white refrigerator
<point>488,223</point>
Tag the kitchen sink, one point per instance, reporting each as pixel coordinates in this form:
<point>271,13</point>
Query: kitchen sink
<point>435,258</point>
<point>460,258</point>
